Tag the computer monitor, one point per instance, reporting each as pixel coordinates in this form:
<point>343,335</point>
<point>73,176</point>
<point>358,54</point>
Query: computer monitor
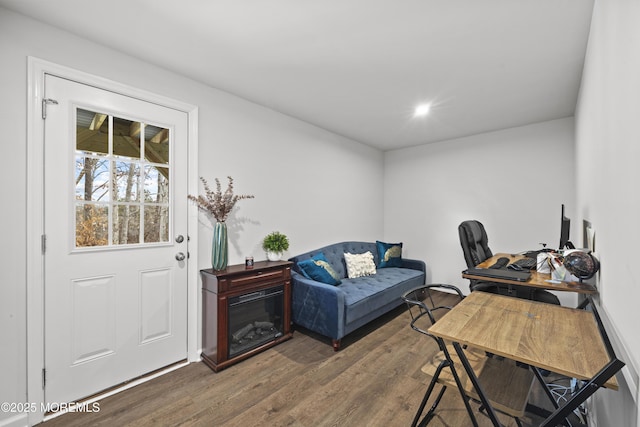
<point>565,225</point>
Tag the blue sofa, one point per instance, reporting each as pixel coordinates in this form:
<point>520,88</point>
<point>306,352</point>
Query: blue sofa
<point>336,310</point>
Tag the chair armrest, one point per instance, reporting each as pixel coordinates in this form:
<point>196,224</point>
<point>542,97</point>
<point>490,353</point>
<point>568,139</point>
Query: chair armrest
<point>317,306</point>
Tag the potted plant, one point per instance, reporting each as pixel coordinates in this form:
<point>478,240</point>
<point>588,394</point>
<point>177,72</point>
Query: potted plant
<point>275,244</point>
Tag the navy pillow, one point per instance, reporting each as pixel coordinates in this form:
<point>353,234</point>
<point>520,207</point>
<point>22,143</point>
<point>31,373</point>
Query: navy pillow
<point>390,254</point>
<point>318,268</point>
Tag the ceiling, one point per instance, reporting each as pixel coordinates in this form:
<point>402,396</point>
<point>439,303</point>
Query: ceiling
<point>358,68</point>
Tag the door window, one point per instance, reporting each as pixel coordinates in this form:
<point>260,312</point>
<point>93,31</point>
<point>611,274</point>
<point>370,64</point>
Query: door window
<point>122,177</point>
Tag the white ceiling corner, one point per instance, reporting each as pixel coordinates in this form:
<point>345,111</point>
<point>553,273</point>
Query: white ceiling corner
<point>358,67</point>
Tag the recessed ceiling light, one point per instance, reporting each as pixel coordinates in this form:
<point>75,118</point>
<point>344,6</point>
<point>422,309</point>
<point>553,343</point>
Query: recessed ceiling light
<point>422,110</point>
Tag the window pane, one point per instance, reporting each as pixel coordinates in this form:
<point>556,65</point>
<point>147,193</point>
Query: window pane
<point>156,144</point>
<point>122,196</point>
<point>156,185</point>
<point>92,225</point>
<point>92,179</point>
<point>126,138</point>
<point>127,177</point>
<point>156,224</point>
<point>126,224</point>
<point>92,132</point>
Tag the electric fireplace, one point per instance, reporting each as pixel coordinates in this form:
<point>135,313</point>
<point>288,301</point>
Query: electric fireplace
<point>244,311</point>
<point>254,319</point>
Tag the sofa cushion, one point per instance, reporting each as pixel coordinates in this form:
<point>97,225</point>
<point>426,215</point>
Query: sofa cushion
<point>364,295</point>
<point>390,254</point>
<point>335,255</point>
<point>317,268</point>
<point>359,265</point>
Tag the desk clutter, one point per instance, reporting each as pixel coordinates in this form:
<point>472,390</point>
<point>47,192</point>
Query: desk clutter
<point>573,265</point>
<point>531,260</point>
<point>521,264</point>
<point>513,284</point>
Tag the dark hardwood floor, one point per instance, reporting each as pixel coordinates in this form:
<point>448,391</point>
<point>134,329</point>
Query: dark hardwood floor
<point>375,380</point>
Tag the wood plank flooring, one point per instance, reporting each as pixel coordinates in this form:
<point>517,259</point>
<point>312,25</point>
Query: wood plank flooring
<point>375,380</point>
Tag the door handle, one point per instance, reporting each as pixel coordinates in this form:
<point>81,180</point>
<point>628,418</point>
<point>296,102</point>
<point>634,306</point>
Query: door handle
<point>180,256</point>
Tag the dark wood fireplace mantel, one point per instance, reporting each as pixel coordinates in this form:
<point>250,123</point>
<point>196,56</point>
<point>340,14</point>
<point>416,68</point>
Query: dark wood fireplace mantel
<point>219,286</point>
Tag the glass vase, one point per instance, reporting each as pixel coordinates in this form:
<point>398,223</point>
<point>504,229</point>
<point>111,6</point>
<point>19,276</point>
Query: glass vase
<point>219,247</point>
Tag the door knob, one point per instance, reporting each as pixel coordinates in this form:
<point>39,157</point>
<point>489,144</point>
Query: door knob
<point>180,256</point>
<point>179,238</point>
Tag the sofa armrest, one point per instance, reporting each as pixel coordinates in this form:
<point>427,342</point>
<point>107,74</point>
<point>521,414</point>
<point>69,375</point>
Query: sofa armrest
<point>414,264</point>
<point>317,306</point>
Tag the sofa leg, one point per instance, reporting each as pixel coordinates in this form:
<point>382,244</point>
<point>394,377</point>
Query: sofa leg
<point>336,344</point>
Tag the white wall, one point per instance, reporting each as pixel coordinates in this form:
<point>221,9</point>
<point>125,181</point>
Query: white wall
<point>314,186</point>
<point>311,184</point>
<point>514,181</point>
<point>607,175</point>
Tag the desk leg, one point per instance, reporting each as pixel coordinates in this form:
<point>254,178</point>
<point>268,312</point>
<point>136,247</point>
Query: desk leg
<point>584,393</point>
<point>540,411</point>
<point>584,304</point>
<point>463,394</point>
<point>476,384</point>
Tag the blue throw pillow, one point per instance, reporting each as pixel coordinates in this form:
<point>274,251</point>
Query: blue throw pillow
<point>318,268</point>
<point>390,254</point>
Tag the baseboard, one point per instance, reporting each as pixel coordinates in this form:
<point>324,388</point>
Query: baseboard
<point>19,420</point>
<point>622,404</point>
<point>629,371</point>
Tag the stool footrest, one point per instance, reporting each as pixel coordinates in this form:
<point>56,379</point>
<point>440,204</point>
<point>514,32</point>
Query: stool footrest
<point>506,384</point>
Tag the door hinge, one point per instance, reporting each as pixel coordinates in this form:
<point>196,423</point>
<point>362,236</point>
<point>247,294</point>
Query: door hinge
<point>46,101</point>
<point>43,243</point>
<point>44,377</point>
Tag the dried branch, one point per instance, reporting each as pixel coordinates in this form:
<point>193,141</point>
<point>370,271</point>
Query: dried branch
<point>217,203</point>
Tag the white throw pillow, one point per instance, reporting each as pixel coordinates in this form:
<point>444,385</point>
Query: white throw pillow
<point>359,265</point>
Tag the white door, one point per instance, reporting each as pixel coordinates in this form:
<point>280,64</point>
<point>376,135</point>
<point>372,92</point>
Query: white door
<point>115,226</point>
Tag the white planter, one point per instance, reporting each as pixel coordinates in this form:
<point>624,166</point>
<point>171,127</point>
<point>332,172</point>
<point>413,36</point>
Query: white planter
<point>274,256</point>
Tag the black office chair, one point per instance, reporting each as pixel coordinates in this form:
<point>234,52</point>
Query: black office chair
<point>506,384</point>
<point>475,247</point>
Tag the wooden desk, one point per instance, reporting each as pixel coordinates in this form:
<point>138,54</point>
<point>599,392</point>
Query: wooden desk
<point>538,280</point>
<point>563,340</point>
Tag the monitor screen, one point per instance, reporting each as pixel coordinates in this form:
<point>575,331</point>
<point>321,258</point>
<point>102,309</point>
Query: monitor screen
<point>565,225</point>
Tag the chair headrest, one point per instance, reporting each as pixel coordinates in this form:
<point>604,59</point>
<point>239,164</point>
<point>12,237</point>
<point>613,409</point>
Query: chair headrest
<point>476,231</point>
<point>474,241</point>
